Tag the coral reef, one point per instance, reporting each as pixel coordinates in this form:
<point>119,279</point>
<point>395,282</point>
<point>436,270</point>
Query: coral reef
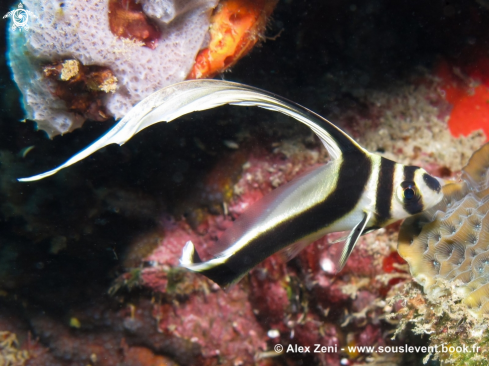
<point>450,241</point>
<point>10,355</point>
<point>105,223</point>
<point>447,250</point>
<point>417,135</point>
<point>455,335</point>
<point>127,20</point>
<point>296,303</point>
<point>96,59</point>
<point>82,88</point>
<point>87,32</point>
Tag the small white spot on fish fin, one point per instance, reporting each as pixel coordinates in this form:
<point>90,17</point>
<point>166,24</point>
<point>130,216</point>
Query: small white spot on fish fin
<point>343,249</point>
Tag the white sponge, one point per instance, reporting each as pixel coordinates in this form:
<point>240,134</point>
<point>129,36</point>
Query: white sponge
<point>78,29</point>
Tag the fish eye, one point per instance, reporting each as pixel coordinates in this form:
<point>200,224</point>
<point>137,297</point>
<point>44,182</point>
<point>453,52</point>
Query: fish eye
<point>408,192</point>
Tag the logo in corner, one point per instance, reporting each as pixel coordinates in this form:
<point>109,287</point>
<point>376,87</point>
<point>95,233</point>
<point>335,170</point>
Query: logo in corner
<point>20,17</point>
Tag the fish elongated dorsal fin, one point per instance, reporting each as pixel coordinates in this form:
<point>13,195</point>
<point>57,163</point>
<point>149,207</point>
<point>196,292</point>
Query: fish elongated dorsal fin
<point>176,100</point>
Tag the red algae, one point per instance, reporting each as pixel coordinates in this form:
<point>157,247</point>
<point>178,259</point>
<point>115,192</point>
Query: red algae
<point>389,263</point>
<point>221,323</point>
<point>296,303</point>
<point>301,302</point>
<point>127,20</point>
<point>471,113</point>
<point>138,356</point>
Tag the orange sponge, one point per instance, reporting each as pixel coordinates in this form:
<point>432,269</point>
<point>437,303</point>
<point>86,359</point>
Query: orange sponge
<point>236,26</point>
<point>466,87</point>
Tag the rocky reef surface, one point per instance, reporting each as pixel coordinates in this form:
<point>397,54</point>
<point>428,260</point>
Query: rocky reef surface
<point>89,258</point>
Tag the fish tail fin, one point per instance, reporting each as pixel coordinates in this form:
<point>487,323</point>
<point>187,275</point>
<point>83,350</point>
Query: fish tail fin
<point>215,269</point>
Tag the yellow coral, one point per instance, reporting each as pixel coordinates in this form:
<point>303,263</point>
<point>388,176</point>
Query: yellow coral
<point>451,240</point>
<point>10,355</point>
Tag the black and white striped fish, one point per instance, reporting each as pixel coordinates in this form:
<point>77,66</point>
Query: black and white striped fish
<point>356,191</point>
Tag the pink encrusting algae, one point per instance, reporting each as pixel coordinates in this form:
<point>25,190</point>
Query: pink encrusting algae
<point>297,303</point>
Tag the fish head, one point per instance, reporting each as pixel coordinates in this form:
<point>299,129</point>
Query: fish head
<point>414,191</point>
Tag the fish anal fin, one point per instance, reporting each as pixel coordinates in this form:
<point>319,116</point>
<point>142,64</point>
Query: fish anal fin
<point>341,239</point>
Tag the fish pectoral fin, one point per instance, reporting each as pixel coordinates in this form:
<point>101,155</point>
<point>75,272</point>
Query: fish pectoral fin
<point>341,256</point>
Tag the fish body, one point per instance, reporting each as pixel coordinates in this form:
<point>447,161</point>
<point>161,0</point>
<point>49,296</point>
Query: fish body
<point>347,194</point>
<point>357,191</point>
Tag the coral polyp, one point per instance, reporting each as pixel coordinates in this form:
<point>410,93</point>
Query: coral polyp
<point>450,242</point>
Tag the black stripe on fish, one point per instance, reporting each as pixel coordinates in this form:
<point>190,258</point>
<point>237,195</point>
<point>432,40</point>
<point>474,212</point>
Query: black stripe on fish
<point>385,191</point>
<point>353,176</point>
<point>431,182</point>
<point>409,172</point>
<point>415,205</point>
<point>223,274</point>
